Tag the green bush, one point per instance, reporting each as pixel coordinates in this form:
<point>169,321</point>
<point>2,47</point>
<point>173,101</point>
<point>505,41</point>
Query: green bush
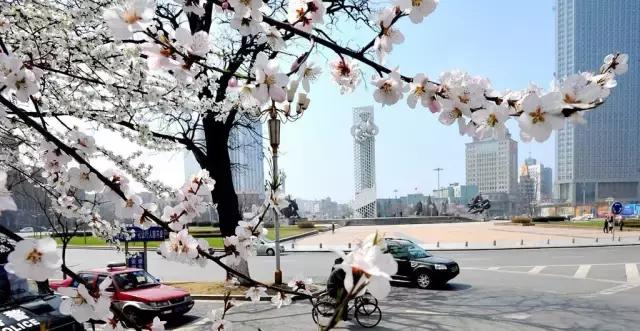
<point>268,225</point>
<point>306,225</point>
<point>546,219</point>
<point>632,222</point>
<point>521,220</point>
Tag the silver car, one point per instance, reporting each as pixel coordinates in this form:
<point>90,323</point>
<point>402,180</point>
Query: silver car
<point>267,247</point>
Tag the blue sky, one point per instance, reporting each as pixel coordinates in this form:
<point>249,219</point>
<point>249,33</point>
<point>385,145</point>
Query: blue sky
<point>510,42</point>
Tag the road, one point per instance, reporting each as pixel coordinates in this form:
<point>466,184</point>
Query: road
<point>530,289</point>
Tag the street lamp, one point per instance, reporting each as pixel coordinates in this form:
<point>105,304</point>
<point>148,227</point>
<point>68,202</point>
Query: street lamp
<point>274,115</point>
<point>438,171</point>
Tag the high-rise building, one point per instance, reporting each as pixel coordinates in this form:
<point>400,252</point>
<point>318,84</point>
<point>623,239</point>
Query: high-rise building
<point>542,178</point>
<point>600,159</point>
<point>364,162</point>
<point>246,154</point>
<point>492,166</point>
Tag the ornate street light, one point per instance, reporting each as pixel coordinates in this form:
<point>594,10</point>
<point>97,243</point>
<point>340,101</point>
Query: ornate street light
<point>274,116</point>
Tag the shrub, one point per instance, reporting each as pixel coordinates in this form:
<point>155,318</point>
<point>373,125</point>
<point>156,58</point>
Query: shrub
<point>306,225</point>
<point>269,225</point>
<point>521,220</point>
<point>545,219</point>
<point>632,222</point>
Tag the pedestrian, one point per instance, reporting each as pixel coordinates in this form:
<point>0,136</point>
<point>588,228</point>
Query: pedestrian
<point>621,223</point>
<point>333,227</point>
<point>610,223</point>
<point>605,228</point>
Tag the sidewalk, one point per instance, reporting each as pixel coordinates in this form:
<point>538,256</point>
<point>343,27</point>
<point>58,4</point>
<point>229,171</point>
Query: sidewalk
<point>468,236</point>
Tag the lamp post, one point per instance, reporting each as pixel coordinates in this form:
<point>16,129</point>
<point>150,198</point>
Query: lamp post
<point>274,138</point>
<point>273,115</point>
<point>438,171</point>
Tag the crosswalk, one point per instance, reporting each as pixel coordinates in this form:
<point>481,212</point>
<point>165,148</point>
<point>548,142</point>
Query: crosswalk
<point>617,273</point>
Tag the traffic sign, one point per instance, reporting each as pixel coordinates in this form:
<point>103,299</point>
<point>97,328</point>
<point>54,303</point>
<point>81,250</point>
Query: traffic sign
<point>617,208</point>
<point>136,260</point>
<point>154,233</point>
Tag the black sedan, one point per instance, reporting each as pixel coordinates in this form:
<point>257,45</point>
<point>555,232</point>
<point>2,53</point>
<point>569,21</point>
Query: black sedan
<point>418,266</point>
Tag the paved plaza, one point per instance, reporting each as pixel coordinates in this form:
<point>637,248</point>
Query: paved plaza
<point>472,235</point>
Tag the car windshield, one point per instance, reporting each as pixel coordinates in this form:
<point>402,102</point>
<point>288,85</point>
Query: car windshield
<point>15,289</point>
<point>134,280</point>
<point>416,252</point>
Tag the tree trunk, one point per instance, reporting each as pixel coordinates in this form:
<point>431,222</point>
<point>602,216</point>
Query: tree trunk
<point>224,194</point>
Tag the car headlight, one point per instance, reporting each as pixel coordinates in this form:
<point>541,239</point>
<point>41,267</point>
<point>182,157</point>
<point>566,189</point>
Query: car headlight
<point>157,304</point>
<point>440,267</point>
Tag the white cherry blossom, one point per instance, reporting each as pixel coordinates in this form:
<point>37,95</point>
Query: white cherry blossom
<point>272,37</point>
<point>24,81</point>
<point>308,72</point>
<point>388,89</point>
<point>281,299</point>
<point>581,89</point>
<point>269,80</point>
<point>367,268</point>
<point>389,35</point>
<point>420,89</point>
<point>180,247</point>
<point>196,44</point>
<point>84,143</point>
<point>617,63</point>
<point>130,207</point>
<point>248,8</point>
<point>417,9</point>
<point>35,259</point>
<point>174,217</point>
<point>304,14</point>
<point>81,177</point>
<point>490,121</point>
<point>157,324</point>
<point>161,57</point>
<point>255,293</point>
<point>130,17</point>
<point>192,6</point>
<point>79,303</point>
<point>541,115</point>
<point>346,74</point>
<point>246,25</point>
<point>4,24</point>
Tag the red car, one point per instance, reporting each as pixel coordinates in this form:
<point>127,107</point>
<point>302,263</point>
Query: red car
<point>140,295</point>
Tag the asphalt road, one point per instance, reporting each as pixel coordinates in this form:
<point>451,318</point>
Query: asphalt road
<point>531,289</point>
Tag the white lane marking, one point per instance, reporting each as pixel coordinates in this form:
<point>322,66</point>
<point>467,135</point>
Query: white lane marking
<point>583,271</point>
<point>423,312</point>
<point>618,288</point>
<point>545,275</point>
<point>517,316</point>
<point>567,256</point>
<point>493,268</point>
<point>631,269</point>
<point>537,269</point>
<point>554,265</point>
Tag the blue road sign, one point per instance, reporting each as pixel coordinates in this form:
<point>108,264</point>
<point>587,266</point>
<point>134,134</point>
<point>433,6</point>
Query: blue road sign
<point>154,233</point>
<point>617,208</point>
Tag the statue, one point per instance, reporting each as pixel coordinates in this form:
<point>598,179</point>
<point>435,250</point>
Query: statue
<point>290,211</point>
<point>419,210</point>
<point>479,205</point>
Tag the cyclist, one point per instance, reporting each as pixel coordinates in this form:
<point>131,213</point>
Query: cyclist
<point>335,286</point>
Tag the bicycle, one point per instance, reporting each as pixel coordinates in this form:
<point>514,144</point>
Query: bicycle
<point>366,310</point>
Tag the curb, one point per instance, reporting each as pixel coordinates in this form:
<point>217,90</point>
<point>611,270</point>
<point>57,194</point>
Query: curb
<point>298,236</point>
<point>482,248</point>
<point>236,297</point>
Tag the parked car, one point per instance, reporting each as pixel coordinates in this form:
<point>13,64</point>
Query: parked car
<point>139,295</point>
<point>418,266</point>
<point>24,308</point>
<point>26,229</point>
<point>267,247</point>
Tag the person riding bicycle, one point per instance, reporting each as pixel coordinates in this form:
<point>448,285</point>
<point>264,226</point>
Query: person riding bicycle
<point>335,285</point>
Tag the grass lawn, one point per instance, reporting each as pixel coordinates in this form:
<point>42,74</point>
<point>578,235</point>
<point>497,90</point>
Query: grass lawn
<point>215,242</point>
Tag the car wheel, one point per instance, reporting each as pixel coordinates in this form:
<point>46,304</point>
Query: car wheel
<point>271,252</point>
<point>132,316</point>
<point>424,280</point>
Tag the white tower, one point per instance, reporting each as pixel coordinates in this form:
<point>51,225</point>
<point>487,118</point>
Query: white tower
<point>364,161</point>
